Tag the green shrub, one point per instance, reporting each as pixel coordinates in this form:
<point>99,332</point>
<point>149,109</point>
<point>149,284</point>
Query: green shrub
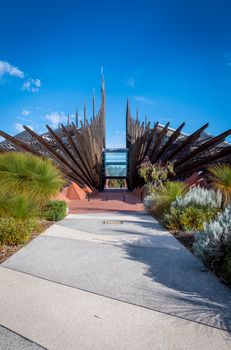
<point>173,219</point>
<point>55,210</point>
<point>18,207</point>
<point>156,173</point>
<point>193,217</point>
<point>14,231</point>
<point>191,211</point>
<point>189,218</point>
<point>166,195</point>
<point>150,189</point>
<point>149,201</point>
<point>160,201</point>
<point>23,174</point>
<point>226,267</point>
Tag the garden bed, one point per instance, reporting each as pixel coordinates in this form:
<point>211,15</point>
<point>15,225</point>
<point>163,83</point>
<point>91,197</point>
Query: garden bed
<point>186,239</point>
<point>7,250</point>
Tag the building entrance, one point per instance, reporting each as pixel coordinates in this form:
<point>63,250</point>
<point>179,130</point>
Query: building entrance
<point>115,168</point>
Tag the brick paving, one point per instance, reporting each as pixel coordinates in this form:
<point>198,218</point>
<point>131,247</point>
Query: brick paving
<point>108,200</point>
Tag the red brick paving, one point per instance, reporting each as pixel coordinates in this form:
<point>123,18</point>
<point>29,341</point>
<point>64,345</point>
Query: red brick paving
<point>107,201</point>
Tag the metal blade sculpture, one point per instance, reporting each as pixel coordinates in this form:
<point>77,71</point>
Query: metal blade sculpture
<point>77,151</point>
<point>189,153</point>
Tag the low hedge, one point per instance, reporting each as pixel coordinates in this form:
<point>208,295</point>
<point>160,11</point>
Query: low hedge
<point>15,231</point>
<point>55,210</point>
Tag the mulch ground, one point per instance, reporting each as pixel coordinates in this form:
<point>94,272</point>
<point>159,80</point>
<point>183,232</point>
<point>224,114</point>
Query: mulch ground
<point>186,238</point>
<point>7,250</point>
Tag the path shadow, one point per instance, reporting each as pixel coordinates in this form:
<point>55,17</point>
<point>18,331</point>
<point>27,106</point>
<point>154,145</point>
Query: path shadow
<point>197,295</point>
<point>178,286</point>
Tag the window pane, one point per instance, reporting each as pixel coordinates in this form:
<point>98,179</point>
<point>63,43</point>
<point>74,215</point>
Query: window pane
<point>116,157</point>
<point>116,170</point>
<point>115,163</point>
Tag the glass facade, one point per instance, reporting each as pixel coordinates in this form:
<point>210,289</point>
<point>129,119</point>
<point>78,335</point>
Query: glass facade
<point>115,163</point>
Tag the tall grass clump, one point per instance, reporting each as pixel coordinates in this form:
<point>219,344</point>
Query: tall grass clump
<point>18,207</point>
<point>160,200</point>
<point>29,176</point>
<point>220,176</point>
<point>27,183</point>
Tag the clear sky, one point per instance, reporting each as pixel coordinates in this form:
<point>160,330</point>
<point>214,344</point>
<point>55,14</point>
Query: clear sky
<point>171,58</point>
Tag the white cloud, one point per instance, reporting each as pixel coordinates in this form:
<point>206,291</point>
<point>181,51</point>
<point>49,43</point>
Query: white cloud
<point>55,118</point>
<point>26,112</point>
<point>130,82</point>
<point>19,127</point>
<point>8,69</point>
<point>26,85</point>
<point>37,82</point>
<point>143,100</point>
<point>32,85</point>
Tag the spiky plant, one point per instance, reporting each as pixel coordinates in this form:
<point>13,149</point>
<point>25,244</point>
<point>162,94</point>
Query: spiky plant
<point>220,175</point>
<point>18,207</point>
<point>163,198</point>
<point>34,178</point>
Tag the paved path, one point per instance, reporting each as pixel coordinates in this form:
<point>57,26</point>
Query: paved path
<point>111,281</point>
<point>109,201</point>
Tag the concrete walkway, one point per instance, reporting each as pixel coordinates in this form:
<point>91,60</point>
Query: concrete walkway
<point>111,281</point>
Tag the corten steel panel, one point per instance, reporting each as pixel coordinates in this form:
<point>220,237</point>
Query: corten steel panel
<point>188,153</point>
<point>76,150</point>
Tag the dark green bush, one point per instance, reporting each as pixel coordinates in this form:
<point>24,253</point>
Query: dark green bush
<point>189,218</point>
<point>55,210</point>
<point>226,267</point>
<point>14,231</point>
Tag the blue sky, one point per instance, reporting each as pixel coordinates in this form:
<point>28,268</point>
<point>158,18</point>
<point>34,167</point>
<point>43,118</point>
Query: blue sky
<point>171,58</point>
